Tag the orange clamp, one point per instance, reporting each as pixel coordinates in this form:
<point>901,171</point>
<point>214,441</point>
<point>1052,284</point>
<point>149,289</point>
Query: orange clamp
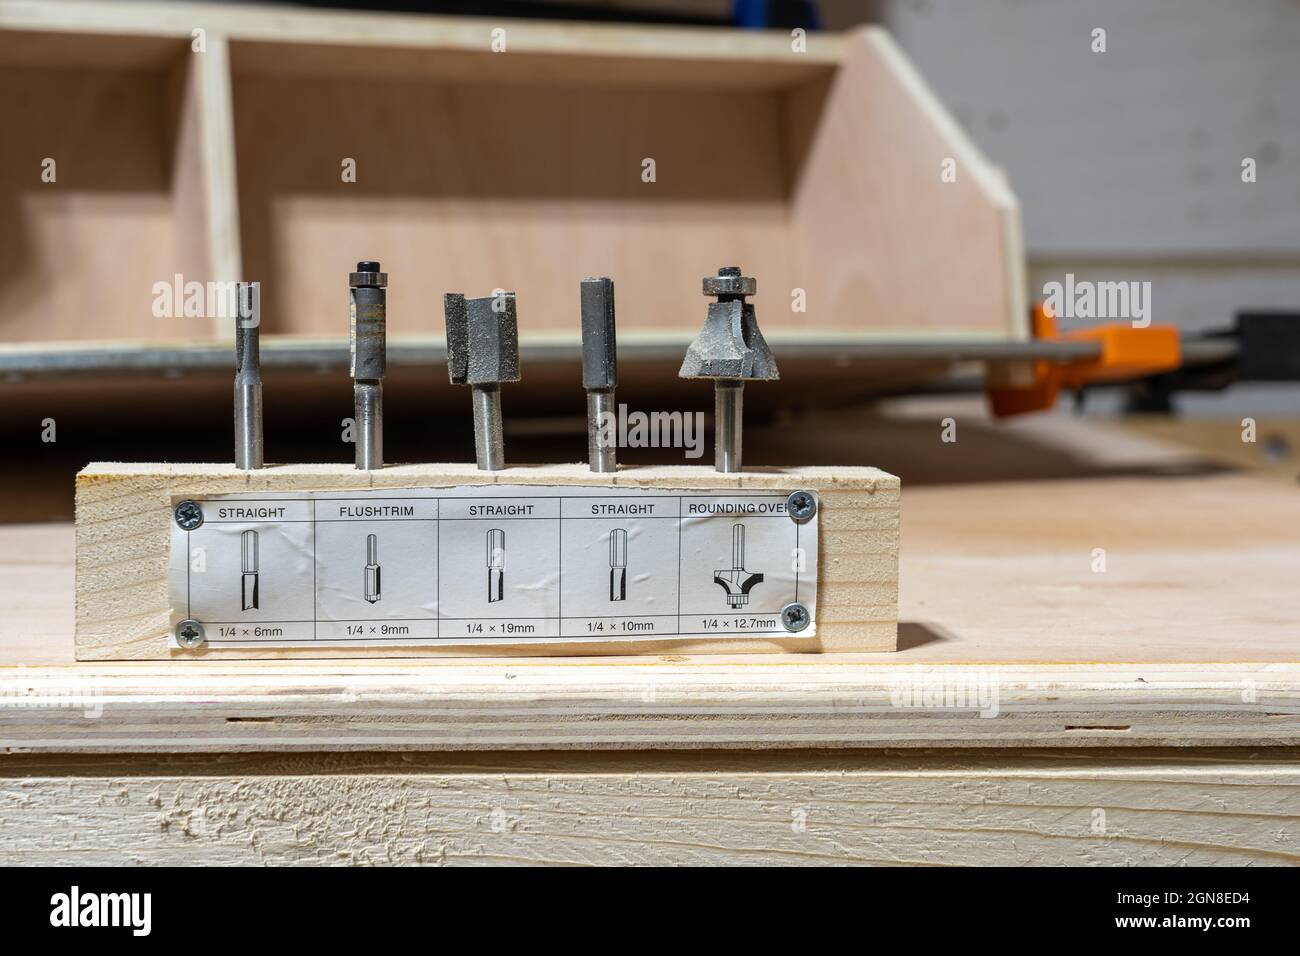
<point>1126,353</point>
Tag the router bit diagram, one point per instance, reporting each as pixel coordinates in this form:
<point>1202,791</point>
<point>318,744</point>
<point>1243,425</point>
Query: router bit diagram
<point>496,564</point>
<point>736,581</point>
<point>372,583</point>
<point>618,564</point>
<point>401,566</point>
<point>249,564</point>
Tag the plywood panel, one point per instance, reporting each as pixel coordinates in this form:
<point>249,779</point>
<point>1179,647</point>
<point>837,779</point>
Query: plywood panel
<point>476,187</point>
<point>880,239</point>
<point>83,252</point>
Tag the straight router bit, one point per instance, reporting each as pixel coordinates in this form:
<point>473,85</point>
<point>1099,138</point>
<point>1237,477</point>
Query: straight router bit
<point>618,564</point>
<point>248,376</point>
<point>368,306</point>
<point>483,352</point>
<point>372,581</point>
<point>599,372</point>
<point>496,564</point>
<point>730,350</point>
<point>249,564</point>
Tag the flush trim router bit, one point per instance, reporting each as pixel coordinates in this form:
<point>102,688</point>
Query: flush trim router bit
<point>368,321</point>
<point>731,350</point>
<point>599,371</point>
<point>248,376</point>
<point>483,352</point>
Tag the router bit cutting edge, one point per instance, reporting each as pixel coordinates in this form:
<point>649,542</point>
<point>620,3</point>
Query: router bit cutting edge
<point>368,320</point>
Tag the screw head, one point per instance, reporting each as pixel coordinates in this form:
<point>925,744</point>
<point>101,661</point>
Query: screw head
<point>795,617</point>
<point>801,505</point>
<point>190,634</point>
<point>189,515</point>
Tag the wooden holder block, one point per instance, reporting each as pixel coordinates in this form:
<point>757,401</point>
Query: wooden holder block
<point>124,515</point>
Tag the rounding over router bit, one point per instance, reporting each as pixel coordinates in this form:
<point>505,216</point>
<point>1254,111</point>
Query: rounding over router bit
<point>483,352</point>
<point>368,310</point>
<point>730,350</point>
<point>599,371</point>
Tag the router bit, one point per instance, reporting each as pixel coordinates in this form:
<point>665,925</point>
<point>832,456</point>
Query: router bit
<point>730,350</point>
<point>248,376</point>
<point>599,371</point>
<point>618,564</point>
<point>249,564</point>
<point>368,304</point>
<point>483,352</point>
<point>736,581</point>
<point>496,564</point>
<point>372,584</point>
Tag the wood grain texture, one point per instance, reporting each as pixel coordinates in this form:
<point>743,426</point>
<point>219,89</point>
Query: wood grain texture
<point>627,703</point>
<point>123,544</point>
<point>1103,808</point>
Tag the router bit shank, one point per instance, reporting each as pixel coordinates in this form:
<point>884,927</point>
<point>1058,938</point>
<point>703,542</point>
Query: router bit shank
<point>248,377</point>
<point>599,371</point>
<point>368,326</point>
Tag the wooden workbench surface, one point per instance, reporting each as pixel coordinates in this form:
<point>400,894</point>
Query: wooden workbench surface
<point>1190,636</point>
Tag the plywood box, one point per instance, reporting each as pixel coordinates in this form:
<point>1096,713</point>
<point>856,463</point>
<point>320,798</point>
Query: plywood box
<point>211,140</point>
<point>124,521</point>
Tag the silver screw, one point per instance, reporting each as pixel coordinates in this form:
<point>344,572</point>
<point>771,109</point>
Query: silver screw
<point>801,505</point>
<point>795,617</point>
<point>189,515</point>
<point>190,634</point>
